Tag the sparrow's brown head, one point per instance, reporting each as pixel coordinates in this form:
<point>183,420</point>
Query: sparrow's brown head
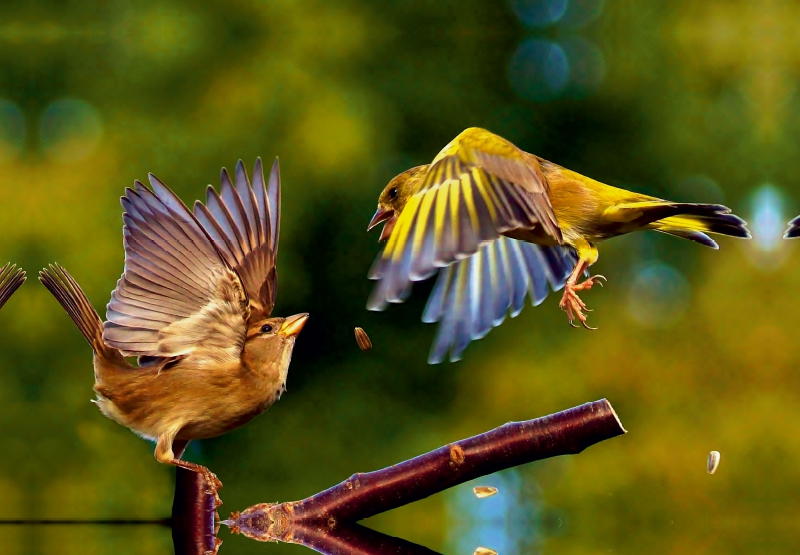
<point>271,340</point>
<point>394,197</point>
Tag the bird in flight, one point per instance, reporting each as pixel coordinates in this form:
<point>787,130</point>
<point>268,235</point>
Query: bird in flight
<point>499,224</point>
<point>194,305</point>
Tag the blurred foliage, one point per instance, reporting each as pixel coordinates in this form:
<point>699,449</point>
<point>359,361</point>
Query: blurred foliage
<point>693,100</point>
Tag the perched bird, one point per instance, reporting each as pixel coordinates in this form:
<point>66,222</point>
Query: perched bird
<point>194,306</point>
<point>11,278</point>
<point>499,224</point>
<point>794,229</point>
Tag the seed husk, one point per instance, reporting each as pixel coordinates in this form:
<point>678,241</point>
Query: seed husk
<point>484,491</point>
<point>363,339</point>
<point>713,461</point>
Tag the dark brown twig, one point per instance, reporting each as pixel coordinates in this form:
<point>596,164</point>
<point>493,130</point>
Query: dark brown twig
<point>367,494</point>
<point>193,515</point>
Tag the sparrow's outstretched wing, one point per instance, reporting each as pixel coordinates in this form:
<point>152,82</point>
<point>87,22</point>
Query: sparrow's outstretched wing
<point>244,222</point>
<point>178,297</point>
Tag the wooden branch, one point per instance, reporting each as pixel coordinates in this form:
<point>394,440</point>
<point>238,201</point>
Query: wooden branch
<point>364,495</point>
<point>193,515</point>
<point>352,539</point>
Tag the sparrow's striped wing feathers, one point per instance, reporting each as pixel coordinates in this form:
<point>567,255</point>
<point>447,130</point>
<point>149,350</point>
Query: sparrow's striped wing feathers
<point>178,297</point>
<point>244,220</point>
<point>11,278</point>
<point>479,186</point>
<point>474,295</point>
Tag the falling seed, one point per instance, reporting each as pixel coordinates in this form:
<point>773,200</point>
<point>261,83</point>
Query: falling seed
<point>484,551</point>
<point>363,339</point>
<point>484,491</point>
<point>713,461</point>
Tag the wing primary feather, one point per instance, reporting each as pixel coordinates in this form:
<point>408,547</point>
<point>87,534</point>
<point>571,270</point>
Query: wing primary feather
<point>435,305</point>
<point>519,277</point>
<point>444,335</point>
<point>467,243</point>
<point>249,211</point>
<point>274,198</point>
<point>460,310</point>
<point>538,282</point>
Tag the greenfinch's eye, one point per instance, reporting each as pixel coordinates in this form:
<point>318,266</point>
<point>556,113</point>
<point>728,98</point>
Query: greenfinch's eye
<point>393,193</point>
<point>266,328</point>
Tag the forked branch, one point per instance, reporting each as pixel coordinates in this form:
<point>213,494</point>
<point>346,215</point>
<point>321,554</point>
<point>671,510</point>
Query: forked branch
<point>367,494</point>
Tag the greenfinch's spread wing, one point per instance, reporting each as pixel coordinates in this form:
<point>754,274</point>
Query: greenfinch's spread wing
<point>244,222</point>
<point>11,278</point>
<point>479,186</point>
<point>474,295</point>
<point>178,297</point>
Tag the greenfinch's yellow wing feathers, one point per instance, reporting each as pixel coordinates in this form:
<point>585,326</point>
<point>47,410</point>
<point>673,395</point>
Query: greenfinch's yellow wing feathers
<point>477,187</point>
<point>474,295</point>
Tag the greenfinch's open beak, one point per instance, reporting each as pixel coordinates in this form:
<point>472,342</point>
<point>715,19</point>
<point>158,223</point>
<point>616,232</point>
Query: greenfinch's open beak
<point>293,324</point>
<point>383,215</point>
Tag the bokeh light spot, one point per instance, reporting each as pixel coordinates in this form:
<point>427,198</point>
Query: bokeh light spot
<point>503,522</point>
<point>580,13</point>
<point>658,295</point>
<point>12,130</point>
<point>539,13</point>
<point>587,66</point>
<point>538,70</point>
<point>70,129</point>
<point>767,222</point>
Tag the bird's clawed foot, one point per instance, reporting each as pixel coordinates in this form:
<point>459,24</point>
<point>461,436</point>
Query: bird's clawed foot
<point>572,303</point>
<point>217,543</point>
<point>213,485</point>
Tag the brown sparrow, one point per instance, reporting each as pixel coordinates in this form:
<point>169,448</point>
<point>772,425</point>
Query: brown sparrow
<point>194,306</point>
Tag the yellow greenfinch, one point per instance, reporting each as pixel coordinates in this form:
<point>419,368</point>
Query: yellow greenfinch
<point>501,224</point>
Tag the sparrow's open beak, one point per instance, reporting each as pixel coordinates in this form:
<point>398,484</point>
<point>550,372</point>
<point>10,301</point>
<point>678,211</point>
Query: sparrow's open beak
<point>383,215</point>
<point>293,324</point>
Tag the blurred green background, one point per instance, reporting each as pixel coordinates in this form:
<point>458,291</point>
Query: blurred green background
<point>697,349</point>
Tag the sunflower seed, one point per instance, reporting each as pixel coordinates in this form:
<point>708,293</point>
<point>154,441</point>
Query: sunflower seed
<point>484,491</point>
<point>363,339</point>
<point>484,551</point>
<point>713,461</point>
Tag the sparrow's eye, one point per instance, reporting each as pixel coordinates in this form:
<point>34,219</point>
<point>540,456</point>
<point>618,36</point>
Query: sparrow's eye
<point>393,193</point>
<point>266,328</point>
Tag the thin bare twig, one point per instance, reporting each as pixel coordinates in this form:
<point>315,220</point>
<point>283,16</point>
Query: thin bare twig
<point>367,494</point>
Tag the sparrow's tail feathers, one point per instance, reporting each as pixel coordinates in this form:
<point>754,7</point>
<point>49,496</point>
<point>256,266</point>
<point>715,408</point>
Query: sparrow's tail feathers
<point>11,278</point>
<point>72,298</point>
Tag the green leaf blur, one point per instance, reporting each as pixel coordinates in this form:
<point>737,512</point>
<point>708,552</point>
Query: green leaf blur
<point>691,100</point>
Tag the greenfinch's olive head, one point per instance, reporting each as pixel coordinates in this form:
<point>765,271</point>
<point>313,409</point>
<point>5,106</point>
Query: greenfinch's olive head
<point>399,189</point>
<point>394,197</point>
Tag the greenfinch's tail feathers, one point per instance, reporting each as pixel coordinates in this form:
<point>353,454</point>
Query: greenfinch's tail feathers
<point>475,294</point>
<point>794,229</point>
<point>687,220</point>
<point>695,220</point>
<point>696,236</point>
